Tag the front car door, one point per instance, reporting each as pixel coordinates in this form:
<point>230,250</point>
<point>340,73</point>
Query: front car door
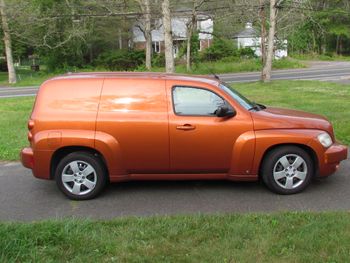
<point>201,142</point>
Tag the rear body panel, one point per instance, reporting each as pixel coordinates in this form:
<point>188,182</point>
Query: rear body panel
<point>135,115</point>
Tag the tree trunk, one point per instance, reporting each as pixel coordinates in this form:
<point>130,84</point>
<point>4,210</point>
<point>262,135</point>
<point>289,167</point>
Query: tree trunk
<point>120,38</point>
<point>340,46</point>
<point>168,38</point>
<point>271,43</point>
<point>148,35</point>
<point>337,45</point>
<point>188,55</point>
<point>262,15</point>
<point>91,54</point>
<point>147,30</point>
<point>190,29</point>
<point>7,42</point>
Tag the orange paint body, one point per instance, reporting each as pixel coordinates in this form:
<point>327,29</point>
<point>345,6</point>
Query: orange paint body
<point>129,119</point>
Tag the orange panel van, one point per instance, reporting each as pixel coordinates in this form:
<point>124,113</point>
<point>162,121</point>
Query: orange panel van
<point>92,128</point>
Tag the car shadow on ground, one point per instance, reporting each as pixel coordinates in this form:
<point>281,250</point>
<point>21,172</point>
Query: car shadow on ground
<point>214,186</point>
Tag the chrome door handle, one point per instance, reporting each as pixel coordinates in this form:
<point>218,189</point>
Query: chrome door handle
<point>186,127</point>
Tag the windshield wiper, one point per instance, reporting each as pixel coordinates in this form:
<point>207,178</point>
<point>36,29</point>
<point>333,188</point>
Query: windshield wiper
<point>257,107</point>
<point>263,107</point>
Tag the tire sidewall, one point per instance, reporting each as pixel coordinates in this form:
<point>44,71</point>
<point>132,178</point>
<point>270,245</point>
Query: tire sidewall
<point>92,160</point>
<point>270,162</point>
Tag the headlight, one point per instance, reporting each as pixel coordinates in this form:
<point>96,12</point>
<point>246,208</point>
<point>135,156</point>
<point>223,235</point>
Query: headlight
<point>325,139</point>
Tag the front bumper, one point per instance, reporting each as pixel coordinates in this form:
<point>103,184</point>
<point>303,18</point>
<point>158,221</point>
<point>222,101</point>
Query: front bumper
<point>331,159</point>
<point>27,158</point>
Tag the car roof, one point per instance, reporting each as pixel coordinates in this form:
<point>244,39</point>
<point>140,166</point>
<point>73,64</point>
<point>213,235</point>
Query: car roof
<point>138,75</point>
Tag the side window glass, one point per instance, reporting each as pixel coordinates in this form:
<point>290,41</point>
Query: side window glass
<point>195,101</point>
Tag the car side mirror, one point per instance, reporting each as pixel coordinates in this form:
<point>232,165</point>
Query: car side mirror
<point>224,111</point>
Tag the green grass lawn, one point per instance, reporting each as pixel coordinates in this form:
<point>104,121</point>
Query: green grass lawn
<point>329,99</point>
<point>26,78</point>
<point>283,237</point>
<point>317,57</point>
<point>14,114</point>
<point>227,66</point>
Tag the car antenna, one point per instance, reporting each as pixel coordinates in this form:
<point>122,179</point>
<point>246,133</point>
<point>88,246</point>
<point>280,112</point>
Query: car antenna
<point>212,72</point>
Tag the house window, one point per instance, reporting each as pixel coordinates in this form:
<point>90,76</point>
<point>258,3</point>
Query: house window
<point>156,46</point>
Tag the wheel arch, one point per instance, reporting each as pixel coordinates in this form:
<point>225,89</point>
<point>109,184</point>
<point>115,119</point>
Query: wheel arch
<point>64,151</point>
<point>306,148</point>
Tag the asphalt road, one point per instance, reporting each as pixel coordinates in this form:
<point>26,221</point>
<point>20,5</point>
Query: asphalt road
<point>12,92</point>
<point>24,198</point>
<point>324,71</point>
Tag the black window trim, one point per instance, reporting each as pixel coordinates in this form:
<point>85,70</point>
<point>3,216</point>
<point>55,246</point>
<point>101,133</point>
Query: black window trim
<point>194,87</point>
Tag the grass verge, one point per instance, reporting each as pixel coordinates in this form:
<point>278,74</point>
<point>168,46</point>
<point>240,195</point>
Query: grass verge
<point>14,114</point>
<point>232,66</point>
<point>317,57</point>
<point>329,99</point>
<point>283,237</point>
<point>26,78</point>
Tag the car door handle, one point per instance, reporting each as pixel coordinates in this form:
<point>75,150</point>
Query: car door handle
<point>186,127</point>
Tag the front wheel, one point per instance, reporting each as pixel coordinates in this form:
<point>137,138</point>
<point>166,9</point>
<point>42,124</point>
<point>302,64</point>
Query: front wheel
<point>80,176</point>
<point>287,170</point>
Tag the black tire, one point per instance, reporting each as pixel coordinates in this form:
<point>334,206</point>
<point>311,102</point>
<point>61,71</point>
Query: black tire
<point>96,179</point>
<point>273,162</point>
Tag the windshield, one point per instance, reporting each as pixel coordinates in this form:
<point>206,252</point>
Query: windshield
<point>243,101</point>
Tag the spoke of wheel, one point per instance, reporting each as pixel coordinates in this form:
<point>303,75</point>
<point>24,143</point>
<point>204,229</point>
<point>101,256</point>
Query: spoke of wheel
<point>76,189</point>
<point>67,178</point>
<point>289,183</point>
<point>284,161</point>
<point>298,161</point>
<point>74,167</point>
<point>89,184</point>
<point>279,175</point>
<point>88,170</point>
<point>300,175</point>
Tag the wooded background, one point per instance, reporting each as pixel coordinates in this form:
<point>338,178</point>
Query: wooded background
<point>91,33</point>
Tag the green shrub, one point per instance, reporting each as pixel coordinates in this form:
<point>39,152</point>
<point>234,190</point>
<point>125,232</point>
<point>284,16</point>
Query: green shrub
<point>222,50</point>
<point>122,59</point>
<point>194,48</point>
<point>62,60</point>
<point>158,60</point>
<point>219,49</point>
<point>246,52</point>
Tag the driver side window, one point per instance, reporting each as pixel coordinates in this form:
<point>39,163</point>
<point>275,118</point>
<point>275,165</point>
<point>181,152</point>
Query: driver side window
<point>196,101</point>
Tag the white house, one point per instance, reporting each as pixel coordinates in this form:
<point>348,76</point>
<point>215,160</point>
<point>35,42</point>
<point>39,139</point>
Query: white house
<point>205,25</point>
<point>249,37</point>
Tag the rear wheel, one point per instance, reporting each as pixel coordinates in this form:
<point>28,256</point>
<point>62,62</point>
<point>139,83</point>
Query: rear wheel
<point>80,176</point>
<point>287,170</point>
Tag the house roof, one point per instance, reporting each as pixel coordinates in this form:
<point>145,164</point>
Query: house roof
<point>248,32</point>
